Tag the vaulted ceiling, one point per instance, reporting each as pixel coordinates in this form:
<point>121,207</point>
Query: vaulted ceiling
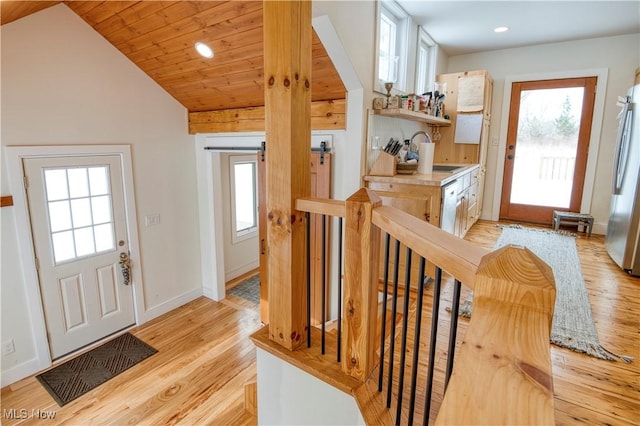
<point>159,37</point>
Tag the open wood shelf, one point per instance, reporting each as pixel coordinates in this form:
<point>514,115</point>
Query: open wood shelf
<point>413,116</point>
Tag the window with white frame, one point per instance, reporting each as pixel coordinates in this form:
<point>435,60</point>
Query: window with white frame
<point>393,27</point>
<point>425,62</point>
<point>244,197</point>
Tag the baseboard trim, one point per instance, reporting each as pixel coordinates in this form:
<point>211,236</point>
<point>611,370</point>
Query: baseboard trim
<point>208,293</point>
<point>20,371</point>
<point>229,275</point>
<point>170,305</point>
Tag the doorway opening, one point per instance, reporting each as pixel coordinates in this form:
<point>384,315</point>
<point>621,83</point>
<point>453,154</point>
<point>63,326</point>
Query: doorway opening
<point>547,145</point>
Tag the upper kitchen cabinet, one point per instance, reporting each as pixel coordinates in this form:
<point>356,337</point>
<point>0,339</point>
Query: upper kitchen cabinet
<point>468,105</point>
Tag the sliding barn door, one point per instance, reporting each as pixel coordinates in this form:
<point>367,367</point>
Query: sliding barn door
<point>320,188</point>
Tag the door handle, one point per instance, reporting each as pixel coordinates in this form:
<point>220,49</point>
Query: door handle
<point>510,157</point>
<point>125,267</point>
<point>511,147</point>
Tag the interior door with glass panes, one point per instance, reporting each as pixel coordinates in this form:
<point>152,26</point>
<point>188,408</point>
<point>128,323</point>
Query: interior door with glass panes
<point>79,231</point>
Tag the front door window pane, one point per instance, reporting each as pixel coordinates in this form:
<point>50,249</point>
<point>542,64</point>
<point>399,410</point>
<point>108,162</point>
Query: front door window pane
<point>60,215</point>
<point>56,180</point>
<point>101,208</point>
<point>81,212</point>
<point>84,241</point>
<point>78,183</point>
<point>99,180</point>
<point>79,209</point>
<point>63,246</point>
<point>104,237</point>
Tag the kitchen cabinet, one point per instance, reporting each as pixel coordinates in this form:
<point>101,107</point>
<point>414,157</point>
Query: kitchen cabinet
<point>467,92</point>
<point>423,196</point>
<point>461,213</point>
<point>421,201</point>
<point>467,202</point>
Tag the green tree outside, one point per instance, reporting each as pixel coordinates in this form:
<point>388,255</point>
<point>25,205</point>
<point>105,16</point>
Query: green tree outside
<point>564,123</point>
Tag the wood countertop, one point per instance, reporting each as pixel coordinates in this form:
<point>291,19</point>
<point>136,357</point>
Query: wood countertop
<point>431,179</point>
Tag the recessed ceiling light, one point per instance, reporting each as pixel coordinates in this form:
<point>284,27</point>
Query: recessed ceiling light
<point>204,50</point>
<point>500,29</point>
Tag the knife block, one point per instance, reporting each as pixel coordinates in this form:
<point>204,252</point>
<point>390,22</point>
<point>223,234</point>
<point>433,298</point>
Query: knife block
<point>385,165</point>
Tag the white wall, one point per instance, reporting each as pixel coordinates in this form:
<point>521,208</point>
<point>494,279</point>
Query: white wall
<point>62,83</point>
<point>620,55</point>
<point>354,23</point>
<point>290,396</point>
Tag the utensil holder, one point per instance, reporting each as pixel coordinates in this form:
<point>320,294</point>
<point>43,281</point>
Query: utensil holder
<point>385,165</point>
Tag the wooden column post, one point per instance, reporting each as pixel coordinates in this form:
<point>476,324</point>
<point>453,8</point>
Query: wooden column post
<point>287,72</point>
<point>362,246</point>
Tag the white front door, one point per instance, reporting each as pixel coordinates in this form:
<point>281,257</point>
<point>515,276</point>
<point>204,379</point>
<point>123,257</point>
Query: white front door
<point>79,231</point>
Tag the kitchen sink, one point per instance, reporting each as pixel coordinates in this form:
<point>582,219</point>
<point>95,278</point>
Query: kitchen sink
<point>446,168</point>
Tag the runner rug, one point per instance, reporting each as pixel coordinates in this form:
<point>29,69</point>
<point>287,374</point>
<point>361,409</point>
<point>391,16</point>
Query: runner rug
<point>573,326</point>
<point>82,374</point>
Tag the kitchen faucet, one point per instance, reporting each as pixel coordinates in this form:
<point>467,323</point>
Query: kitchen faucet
<point>420,132</point>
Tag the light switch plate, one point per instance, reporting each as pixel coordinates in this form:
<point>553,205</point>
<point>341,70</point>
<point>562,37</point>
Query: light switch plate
<point>152,220</point>
<point>8,347</point>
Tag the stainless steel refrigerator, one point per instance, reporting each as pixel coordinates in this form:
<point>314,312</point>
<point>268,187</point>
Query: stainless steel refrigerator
<point>623,230</point>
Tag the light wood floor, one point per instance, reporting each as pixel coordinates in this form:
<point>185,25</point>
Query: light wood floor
<point>197,377</point>
<point>205,358</point>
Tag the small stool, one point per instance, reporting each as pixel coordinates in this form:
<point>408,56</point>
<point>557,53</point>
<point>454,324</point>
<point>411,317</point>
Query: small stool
<point>570,218</point>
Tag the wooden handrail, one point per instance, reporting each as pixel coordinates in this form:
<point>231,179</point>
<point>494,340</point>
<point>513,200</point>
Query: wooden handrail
<point>502,373</point>
<point>458,257</point>
<point>321,206</point>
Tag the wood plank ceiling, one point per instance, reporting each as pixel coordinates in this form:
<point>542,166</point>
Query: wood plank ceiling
<point>159,37</point>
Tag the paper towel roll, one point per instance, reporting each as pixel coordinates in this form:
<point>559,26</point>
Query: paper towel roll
<point>425,158</point>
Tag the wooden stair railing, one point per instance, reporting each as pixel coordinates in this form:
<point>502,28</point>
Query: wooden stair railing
<point>502,373</point>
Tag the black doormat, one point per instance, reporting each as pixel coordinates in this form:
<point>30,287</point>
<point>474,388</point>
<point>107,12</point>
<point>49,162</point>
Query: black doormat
<point>79,375</point>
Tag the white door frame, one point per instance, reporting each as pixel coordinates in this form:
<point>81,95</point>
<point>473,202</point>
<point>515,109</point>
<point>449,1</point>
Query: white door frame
<point>15,155</point>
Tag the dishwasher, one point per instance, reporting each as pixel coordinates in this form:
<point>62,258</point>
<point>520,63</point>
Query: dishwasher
<point>449,207</point>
